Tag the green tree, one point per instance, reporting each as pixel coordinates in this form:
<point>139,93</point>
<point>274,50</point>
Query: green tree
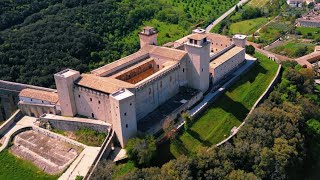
<point>141,150</point>
<point>250,49</point>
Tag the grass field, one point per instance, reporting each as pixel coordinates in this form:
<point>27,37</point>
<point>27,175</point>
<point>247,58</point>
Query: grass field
<point>228,111</point>
<point>290,48</point>
<point>257,3</point>
<point>307,31</point>
<point>248,26</point>
<point>12,168</point>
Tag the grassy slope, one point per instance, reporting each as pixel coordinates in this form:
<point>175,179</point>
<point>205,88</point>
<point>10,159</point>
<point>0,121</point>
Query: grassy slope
<point>17,169</point>
<point>247,26</point>
<point>229,110</point>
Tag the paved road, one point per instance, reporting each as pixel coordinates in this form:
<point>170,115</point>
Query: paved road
<point>224,15</point>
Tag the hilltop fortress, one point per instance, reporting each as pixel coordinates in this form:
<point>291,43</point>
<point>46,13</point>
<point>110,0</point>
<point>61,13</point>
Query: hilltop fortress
<point>129,92</point>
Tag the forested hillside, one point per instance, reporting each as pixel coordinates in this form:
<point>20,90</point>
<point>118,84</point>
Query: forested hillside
<point>41,37</point>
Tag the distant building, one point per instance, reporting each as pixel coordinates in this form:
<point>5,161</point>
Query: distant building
<point>298,3</point>
<point>312,19</point>
<point>126,91</point>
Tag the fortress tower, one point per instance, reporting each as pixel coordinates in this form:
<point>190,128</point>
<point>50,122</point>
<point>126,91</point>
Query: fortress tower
<point>123,113</point>
<point>198,48</point>
<point>64,82</point>
<point>148,36</point>
<point>240,40</point>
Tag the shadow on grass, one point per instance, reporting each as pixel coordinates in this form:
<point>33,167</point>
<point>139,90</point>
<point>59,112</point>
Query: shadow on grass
<point>249,76</point>
<point>163,155</point>
<point>197,137</point>
<point>235,108</point>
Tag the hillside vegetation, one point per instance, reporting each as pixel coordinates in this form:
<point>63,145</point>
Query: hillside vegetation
<point>39,38</point>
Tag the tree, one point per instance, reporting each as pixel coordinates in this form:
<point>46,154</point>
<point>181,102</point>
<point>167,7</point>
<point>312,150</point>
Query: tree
<point>237,8</point>
<point>103,171</point>
<point>242,175</point>
<point>141,150</point>
<point>187,119</point>
<point>250,49</point>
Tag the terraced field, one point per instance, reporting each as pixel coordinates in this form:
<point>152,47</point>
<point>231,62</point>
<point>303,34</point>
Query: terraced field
<point>257,3</point>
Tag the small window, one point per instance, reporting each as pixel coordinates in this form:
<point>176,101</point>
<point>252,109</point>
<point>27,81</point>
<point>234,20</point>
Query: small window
<point>126,125</point>
<point>149,90</point>
<point>79,95</point>
<point>160,84</point>
<point>182,69</point>
<point>130,104</point>
<point>42,101</point>
<point>92,115</point>
<point>99,102</point>
<point>90,99</point>
<point>202,69</point>
<point>125,114</point>
<point>31,99</point>
<point>158,66</point>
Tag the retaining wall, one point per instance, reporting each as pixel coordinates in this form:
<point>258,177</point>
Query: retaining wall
<point>68,125</point>
<point>12,120</point>
<point>103,153</point>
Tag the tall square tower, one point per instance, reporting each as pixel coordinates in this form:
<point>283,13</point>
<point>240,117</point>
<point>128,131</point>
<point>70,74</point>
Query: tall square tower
<point>198,48</point>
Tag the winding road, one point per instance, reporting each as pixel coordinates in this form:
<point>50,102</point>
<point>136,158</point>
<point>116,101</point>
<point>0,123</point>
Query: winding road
<point>240,3</point>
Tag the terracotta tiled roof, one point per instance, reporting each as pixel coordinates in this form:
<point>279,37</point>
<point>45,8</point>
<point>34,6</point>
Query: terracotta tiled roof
<point>197,36</point>
<point>40,95</point>
<point>102,84</point>
<point>142,54</point>
<point>225,56</point>
<point>169,53</point>
<point>308,59</point>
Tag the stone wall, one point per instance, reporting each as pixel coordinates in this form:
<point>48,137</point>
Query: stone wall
<point>14,118</point>
<point>104,152</point>
<point>157,91</point>
<point>69,125</point>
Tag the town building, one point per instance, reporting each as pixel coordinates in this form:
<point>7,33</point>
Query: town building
<point>127,92</point>
<point>311,19</point>
<point>298,3</point>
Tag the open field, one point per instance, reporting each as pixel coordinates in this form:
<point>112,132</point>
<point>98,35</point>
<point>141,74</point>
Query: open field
<point>16,169</point>
<point>291,49</point>
<point>248,26</point>
<point>257,3</point>
<point>228,111</point>
<point>307,31</point>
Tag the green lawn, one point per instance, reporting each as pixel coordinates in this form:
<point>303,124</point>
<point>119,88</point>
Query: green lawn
<point>12,168</point>
<point>228,111</point>
<point>307,31</point>
<point>290,49</point>
<point>247,26</point>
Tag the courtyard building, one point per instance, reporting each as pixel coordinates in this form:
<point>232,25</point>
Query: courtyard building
<point>126,92</point>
